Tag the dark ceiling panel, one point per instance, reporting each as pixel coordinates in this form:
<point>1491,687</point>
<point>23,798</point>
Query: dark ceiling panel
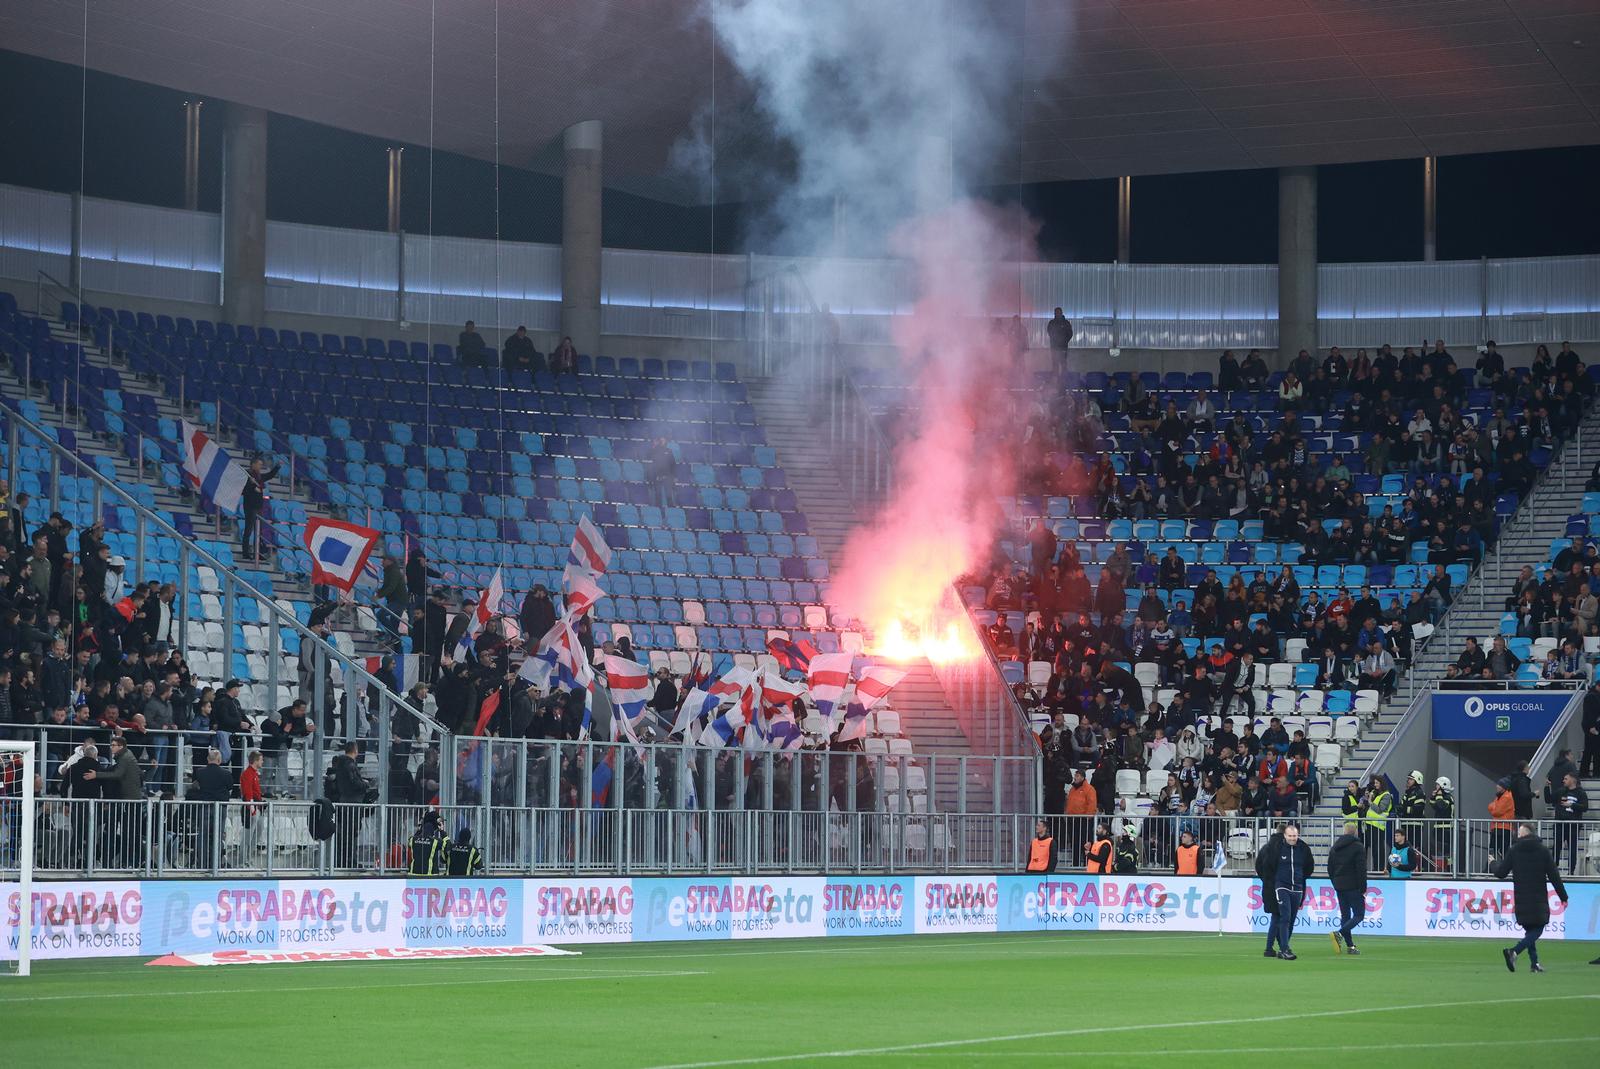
<point>1107,87</point>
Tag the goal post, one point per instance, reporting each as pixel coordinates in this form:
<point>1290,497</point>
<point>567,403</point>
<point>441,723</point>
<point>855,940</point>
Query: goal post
<point>17,802</point>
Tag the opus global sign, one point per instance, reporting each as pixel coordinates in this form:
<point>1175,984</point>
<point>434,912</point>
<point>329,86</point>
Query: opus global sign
<point>1499,716</point>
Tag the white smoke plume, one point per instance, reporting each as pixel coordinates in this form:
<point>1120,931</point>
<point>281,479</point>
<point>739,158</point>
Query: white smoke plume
<point>895,108</point>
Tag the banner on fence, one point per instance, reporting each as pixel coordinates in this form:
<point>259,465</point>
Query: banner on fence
<point>187,917</point>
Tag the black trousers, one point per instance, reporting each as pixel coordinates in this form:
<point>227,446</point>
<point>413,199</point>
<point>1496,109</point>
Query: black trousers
<point>1352,910</point>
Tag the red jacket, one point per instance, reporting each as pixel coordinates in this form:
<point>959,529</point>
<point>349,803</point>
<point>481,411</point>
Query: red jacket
<point>250,784</point>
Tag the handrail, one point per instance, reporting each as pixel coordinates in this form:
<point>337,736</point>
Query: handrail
<point>278,615</point>
<point>241,420</point>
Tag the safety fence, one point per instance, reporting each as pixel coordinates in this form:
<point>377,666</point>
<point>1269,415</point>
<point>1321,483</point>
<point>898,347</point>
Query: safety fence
<point>153,838</point>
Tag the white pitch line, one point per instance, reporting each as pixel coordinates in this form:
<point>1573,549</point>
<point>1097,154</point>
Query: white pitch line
<point>1143,1026</point>
<point>858,945</point>
<point>568,978</point>
<point>1320,1048</point>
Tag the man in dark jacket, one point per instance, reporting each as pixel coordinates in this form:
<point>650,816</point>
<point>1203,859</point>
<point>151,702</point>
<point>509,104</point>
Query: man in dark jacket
<point>1569,802</point>
<point>123,824</point>
<point>1347,871</point>
<point>212,783</point>
<point>350,790</point>
<point>1283,866</point>
<point>1530,867</point>
<point>1521,788</point>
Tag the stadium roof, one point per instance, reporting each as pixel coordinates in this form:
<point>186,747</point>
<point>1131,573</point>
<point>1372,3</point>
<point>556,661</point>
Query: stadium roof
<point>1133,87</point>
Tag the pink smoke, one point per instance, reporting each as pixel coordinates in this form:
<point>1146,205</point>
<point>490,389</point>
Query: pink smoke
<point>962,454</point>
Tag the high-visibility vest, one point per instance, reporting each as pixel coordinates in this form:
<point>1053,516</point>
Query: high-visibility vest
<point>1378,810</point>
<point>1039,854</point>
<point>1189,860</point>
<point>1101,867</point>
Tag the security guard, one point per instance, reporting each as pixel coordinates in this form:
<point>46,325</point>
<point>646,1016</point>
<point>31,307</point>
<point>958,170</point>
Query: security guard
<point>428,847</point>
<point>465,859</point>
<point>1351,803</point>
<point>1042,849</point>
<point>1100,851</point>
<point>1188,856</point>
<point>1443,803</point>
<point>1380,805</point>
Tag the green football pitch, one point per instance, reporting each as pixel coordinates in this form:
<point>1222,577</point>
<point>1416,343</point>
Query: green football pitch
<point>926,1001</point>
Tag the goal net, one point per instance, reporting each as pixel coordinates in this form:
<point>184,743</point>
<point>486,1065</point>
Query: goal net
<point>17,804</point>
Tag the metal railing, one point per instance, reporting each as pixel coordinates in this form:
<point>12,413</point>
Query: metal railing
<point>317,656</point>
<point>152,838</point>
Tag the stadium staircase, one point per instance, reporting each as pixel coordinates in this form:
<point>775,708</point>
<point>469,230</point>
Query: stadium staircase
<point>785,410</point>
<point>1476,612</point>
<point>353,630</point>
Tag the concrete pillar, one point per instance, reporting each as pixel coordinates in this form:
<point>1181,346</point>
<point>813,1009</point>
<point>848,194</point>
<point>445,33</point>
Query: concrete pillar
<point>580,235</point>
<point>244,215</point>
<point>1125,219</point>
<point>1297,261</point>
<point>1430,208</point>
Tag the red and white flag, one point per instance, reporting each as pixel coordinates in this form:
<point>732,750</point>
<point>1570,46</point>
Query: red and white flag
<point>488,605</point>
<point>875,683</point>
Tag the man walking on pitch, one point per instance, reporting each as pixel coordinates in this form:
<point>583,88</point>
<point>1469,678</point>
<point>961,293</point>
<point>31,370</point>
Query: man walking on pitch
<point>1347,871</point>
<point>1283,866</point>
<point>1530,866</point>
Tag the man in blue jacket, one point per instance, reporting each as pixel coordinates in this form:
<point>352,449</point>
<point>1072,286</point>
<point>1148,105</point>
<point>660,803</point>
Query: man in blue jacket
<point>1284,865</point>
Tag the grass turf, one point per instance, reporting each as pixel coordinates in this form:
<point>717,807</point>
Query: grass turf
<point>1111,998</point>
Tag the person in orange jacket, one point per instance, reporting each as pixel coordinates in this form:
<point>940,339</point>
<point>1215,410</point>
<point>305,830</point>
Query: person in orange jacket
<point>1082,805</point>
<point>1502,820</point>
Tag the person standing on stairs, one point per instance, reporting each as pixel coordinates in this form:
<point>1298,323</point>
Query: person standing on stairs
<point>254,500</point>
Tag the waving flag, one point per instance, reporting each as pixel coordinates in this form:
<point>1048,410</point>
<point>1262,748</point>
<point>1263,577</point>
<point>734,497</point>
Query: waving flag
<point>792,656</point>
<point>734,682</point>
<point>582,592</point>
<point>779,693</point>
<point>855,723</point>
<point>696,703</point>
<point>829,675</point>
<point>630,685</point>
<point>538,667</point>
<point>401,674</point>
<point>876,682</point>
<point>725,729</point>
<point>488,605</point>
<point>339,551</point>
<point>589,553</point>
<point>210,470</point>
<point>785,733</point>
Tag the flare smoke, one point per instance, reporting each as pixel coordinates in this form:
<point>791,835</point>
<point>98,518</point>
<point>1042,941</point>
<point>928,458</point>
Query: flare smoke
<point>892,108</point>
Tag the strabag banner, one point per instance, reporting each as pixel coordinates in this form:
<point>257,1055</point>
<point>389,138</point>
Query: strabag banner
<point>156,917</point>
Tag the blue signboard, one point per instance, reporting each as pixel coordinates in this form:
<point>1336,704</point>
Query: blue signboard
<point>1496,716</point>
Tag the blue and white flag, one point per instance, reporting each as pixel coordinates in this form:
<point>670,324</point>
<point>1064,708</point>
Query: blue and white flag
<point>210,470</point>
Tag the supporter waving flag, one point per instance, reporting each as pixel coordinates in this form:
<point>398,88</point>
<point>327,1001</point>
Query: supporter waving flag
<point>696,704</point>
<point>211,471</point>
<point>488,605</point>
